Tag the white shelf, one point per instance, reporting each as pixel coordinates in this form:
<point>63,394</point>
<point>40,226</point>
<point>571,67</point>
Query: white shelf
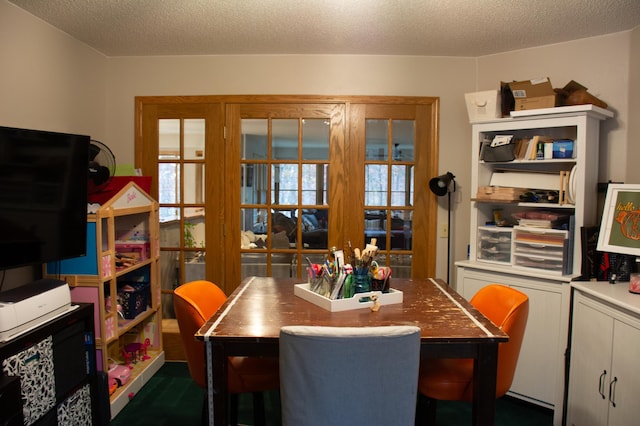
<point>605,113</point>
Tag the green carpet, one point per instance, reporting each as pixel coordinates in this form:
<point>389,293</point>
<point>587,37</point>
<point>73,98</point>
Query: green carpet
<point>172,398</point>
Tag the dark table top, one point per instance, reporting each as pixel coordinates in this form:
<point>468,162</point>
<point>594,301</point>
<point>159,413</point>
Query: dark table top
<point>260,306</point>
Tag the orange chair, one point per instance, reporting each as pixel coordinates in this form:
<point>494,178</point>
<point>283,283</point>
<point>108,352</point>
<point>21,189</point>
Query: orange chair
<point>195,302</point>
<point>452,379</point>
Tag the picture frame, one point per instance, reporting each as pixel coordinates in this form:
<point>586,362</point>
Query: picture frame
<point>620,226</point>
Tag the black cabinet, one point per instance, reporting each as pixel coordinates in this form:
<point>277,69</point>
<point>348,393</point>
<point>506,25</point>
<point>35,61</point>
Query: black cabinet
<point>53,369</point>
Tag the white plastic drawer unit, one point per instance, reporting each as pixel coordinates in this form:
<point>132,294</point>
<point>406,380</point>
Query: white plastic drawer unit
<point>539,248</point>
<point>494,244</point>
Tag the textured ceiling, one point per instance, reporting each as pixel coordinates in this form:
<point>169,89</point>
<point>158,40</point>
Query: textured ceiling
<point>377,27</point>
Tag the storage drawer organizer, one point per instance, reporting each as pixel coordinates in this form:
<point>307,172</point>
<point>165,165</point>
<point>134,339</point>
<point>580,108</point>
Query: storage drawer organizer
<point>494,244</point>
<point>540,249</point>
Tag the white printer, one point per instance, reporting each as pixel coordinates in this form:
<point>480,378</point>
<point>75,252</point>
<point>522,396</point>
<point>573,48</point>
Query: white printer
<point>31,305</point>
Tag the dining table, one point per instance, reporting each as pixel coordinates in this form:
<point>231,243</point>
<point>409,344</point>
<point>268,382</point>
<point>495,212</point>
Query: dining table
<point>249,322</point>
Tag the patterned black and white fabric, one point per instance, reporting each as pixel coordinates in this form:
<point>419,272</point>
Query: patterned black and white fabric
<point>34,365</point>
<point>76,409</point>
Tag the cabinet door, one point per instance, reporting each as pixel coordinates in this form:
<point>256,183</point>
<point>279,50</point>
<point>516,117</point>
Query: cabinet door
<point>590,366</point>
<point>542,346</point>
<point>626,373</point>
<point>467,286</point>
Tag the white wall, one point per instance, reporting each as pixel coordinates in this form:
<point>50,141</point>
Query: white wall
<point>633,135</point>
<point>50,81</point>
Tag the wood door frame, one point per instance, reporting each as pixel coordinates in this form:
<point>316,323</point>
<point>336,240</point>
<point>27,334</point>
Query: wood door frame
<point>427,139</point>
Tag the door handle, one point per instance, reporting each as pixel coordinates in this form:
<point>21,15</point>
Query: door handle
<point>612,391</point>
<point>601,384</point>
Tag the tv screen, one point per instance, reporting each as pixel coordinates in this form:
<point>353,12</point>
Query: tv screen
<point>43,196</point>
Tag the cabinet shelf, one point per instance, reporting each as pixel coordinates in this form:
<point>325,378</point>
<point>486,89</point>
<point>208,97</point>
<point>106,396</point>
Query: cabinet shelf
<point>125,325</point>
<point>525,204</point>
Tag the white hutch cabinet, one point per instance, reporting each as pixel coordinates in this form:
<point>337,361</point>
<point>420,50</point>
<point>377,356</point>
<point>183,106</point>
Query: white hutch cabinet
<point>541,263</point>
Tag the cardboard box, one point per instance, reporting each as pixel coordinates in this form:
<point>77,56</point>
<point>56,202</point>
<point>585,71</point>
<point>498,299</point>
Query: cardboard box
<point>534,94</point>
<point>483,106</point>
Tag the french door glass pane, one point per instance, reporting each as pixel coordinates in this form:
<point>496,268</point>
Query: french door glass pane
<point>284,139</point>
<point>403,137</point>
<point>284,228</point>
<point>168,185</point>
<point>401,185</point>
<point>401,229</point>
<point>377,136</point>
<point>254,139</point>
<point>314,184</point>
<point>375,184</point>
<point>194,137</point>
<point>253,186</point>
<point>169,137</point>
<point>400,265</point>
<point>314,228</point>
<point>254,220</point>
<point>194,183</point>
<point>315,139</point>
<point>284,181</point>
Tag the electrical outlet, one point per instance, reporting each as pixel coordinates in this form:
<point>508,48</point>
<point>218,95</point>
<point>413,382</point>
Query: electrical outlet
<point>444,230</point>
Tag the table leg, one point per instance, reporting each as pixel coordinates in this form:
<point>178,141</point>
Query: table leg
<point>217,392</point>
<point>484,390</point>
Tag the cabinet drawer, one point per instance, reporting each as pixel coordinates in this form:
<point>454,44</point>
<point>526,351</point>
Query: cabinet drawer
<point>494,244</point>
<point>543,236</point>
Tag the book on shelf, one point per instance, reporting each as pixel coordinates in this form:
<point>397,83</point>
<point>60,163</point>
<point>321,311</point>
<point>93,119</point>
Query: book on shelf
<point>533,145</point>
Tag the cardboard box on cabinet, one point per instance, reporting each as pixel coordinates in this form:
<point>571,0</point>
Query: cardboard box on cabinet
<point>534,94</point>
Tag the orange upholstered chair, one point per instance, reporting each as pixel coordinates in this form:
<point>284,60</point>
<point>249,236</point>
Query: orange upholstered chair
<point>195,302</point>
<point>452,379</point>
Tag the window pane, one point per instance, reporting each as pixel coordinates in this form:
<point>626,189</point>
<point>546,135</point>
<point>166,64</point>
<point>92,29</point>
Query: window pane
<point>377,136</point>
<point>403,140</point>
<point>284,183</point>
<point>314,184</point>
<point>253,181</point>
<point>169,137</point>
<point>284,139</point>
<point>168,183</point>
<point>194,132</point>
<point>254,139</point>
<point>375,185</point>
<point>315,139</point>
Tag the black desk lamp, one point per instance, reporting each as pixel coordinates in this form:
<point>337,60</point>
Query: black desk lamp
<point>441,185</point>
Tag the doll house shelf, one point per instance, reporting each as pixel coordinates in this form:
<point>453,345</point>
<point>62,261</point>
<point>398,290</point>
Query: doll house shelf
<point>120,276</point>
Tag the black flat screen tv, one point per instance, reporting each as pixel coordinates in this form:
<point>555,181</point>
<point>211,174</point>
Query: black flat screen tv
<point>43,196</point>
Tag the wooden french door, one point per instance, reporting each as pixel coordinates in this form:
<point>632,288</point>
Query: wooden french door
<point>265,183</point>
